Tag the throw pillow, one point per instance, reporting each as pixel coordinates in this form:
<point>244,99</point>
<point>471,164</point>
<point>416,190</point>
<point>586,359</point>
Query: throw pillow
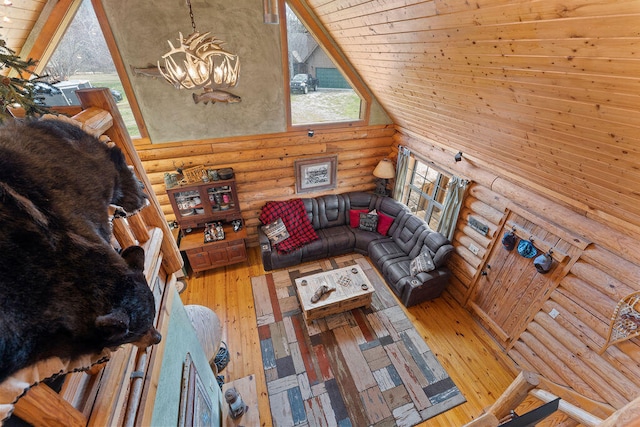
<point>276,231</point>
<point>368,222</point>
<point>354,217</point>
<point>384,223</point>
<point>422,263</point>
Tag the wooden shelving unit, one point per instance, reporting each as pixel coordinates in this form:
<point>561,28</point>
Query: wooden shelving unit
<point>195,206</point>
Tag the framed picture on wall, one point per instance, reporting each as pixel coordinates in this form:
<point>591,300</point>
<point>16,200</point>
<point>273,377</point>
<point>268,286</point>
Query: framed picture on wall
<point>316,174</point>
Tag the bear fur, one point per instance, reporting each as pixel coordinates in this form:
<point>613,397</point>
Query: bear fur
<point>64,290</point>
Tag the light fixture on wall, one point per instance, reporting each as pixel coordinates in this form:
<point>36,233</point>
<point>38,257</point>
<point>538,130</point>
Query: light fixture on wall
<point>458,156</point>
<point>384,171</point>
<point>199,62</point>
<point>270,11</point>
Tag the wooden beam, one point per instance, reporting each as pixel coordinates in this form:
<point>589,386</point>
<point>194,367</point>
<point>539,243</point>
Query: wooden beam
<point>514,394</point>
<point>572,411</point>
<point>120,67</point>
<point>54,23</point>
<point>628,416</point>
<point>43,407</point>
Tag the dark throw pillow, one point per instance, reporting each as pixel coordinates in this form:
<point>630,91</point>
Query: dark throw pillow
<point>276,231</point>
<point>368,222</point>
<point>423,263</point>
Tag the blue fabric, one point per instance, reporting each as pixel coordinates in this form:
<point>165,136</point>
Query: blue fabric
<point>526,249</point>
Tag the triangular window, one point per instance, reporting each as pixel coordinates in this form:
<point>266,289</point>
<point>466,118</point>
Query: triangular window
<point>80,60</point>
<point>319,91</point>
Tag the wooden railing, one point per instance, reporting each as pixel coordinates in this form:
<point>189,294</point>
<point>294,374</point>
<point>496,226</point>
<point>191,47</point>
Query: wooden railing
<point>528,384</point>
<point>122,390</point>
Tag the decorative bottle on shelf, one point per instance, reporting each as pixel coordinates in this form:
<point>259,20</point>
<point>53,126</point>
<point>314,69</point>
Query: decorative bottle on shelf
<point>225,201</point>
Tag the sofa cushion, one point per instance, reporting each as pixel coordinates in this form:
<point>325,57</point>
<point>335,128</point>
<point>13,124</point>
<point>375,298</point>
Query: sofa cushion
<point>384,223</point>
<point>361,200</point>
<point>332,210</point>
<point>368,222</point>
<point>339,240</point>
<point>354,217</point>
<point>276,231</point>
<point>311,207</point>
<point>383,249</point>
<point>398,273</point>
<point>439,247</point>
<point>277,260</point>
<point>409,233</point>
<point>364,239</point>
<point>423,263</point>
<point>315,250</point>
<point>294,216</point>
<point>391,208</point>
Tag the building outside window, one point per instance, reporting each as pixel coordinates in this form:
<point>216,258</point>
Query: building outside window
<point>319,92</point>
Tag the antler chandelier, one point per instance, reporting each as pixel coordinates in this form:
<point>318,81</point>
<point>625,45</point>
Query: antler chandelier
<point>199,62</point>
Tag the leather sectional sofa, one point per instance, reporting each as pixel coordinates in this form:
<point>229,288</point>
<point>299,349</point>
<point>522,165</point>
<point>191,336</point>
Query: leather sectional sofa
<point>331,217</point>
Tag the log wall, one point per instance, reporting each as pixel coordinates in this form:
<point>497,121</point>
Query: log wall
<point>545,91</point>
<point>554,324</point>
<point>264,164</point>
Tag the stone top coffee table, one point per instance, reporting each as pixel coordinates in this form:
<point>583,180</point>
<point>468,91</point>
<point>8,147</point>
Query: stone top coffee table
<point>352,290</point>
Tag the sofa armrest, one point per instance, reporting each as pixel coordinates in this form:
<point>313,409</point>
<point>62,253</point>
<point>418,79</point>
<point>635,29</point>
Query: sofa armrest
<point>442,255</point>
<point>425,286</point>
<point>439,246</point>
<point>265,249</point>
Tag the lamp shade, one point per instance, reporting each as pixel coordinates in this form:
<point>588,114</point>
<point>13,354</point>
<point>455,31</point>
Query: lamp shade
<point>385,169</point>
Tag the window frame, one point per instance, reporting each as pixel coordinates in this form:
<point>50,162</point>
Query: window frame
<point>431,201</point>
<point>310,21</point>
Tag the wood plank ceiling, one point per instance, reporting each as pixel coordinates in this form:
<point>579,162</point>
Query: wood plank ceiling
<point>544,92</point>
<point>17,19</point>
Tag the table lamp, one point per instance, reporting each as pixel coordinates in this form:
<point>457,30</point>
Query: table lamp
<point>384,171</point>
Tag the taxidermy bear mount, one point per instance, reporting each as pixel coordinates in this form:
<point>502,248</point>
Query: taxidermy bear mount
<point>64,290</point>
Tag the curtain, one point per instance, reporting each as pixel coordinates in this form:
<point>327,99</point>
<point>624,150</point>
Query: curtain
<point>451,206</point>
<point>402,165</point>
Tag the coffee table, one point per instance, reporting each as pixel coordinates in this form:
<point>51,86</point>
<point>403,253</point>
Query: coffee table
<point>353,290</point>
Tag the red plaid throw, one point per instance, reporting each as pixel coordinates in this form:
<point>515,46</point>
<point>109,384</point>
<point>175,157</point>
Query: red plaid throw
<point>294,217</point>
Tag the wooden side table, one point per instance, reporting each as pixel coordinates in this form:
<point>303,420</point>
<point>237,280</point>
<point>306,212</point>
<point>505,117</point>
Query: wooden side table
<point>204,256</point>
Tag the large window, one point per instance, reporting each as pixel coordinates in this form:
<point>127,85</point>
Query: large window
<point>320,93</point>
<point>83,60</point>
<point>426,191</point>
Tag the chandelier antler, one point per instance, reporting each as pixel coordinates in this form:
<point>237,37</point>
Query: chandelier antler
<point>199,61</point>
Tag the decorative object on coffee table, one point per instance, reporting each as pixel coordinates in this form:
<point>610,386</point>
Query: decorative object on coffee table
<point>320,292</point>
<point>333,291</point>
<point>363,367</point>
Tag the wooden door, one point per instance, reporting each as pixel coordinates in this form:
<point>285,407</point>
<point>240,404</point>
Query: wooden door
<point>503,296</point>
<point>510,290</point>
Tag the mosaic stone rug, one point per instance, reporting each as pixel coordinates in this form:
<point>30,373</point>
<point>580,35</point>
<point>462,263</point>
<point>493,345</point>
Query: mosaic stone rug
<point>365,367</point>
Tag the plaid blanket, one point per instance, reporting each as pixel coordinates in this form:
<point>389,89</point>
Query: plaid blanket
<point>294,217</point>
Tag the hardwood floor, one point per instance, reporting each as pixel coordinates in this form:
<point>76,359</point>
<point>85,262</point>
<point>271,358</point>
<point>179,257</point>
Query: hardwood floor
<point>475,362</point>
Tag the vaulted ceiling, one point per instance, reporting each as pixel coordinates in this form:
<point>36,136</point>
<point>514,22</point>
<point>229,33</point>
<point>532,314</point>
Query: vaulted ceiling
<point>546,93</point>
